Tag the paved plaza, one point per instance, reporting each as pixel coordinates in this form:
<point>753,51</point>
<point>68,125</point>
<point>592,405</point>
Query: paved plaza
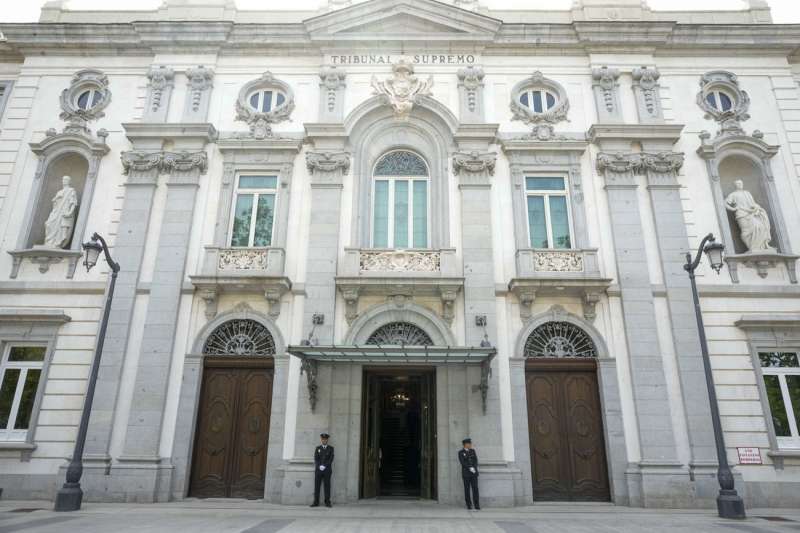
<point>217,516</point>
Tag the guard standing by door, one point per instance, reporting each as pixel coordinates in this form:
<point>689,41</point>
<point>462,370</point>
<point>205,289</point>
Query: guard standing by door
<point>323,470</point>
<point>469,471</point>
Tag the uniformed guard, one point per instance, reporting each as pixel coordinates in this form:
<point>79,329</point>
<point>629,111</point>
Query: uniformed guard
<point>323,469</point>
<point>469,471</point>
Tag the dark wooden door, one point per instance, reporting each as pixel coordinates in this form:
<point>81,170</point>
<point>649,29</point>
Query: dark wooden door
<point>370,448</point>
<point>230,454</point>
<point>568,460</point>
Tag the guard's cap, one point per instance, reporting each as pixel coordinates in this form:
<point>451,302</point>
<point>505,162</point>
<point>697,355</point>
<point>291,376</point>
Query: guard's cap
<point>467,441</point>
<point>324,436</point>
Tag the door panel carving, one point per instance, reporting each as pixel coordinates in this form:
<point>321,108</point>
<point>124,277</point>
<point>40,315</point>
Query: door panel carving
<point>232,433</point>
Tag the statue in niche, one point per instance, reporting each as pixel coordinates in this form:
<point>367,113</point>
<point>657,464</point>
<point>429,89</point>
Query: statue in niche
<point>753,221</point>
<point>59,225</point>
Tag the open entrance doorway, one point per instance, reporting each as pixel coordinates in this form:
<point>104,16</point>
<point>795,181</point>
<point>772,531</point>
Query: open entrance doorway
<point>398,443</point>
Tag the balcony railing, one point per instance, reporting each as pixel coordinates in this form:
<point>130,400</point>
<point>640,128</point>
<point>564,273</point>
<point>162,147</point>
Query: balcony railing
<point>557,263</point>
<point>243,261</point>
<point>381,262</point>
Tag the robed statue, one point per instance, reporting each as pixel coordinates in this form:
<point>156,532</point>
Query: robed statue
<point>61,222</point>
<point>753,221</point>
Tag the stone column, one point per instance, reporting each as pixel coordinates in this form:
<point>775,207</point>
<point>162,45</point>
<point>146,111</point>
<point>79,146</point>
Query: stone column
<point>519,424</point>
<point>142,169</point>
<point>656,434</point>
<point>141,448</point>
<point>474,170</point>
<point>673,242</point>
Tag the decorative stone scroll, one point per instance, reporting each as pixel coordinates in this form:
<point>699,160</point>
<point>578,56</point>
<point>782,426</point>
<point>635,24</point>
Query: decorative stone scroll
<point>77,118</point>
<point>403,89</point>
<point>243,259</point>
<point>159,90</point>
<point>140,161</point>
<point>648,96</point>
<point>621,163</point>
<point>198,93</point>
<point>558,261</point>
<point>328,162</point>
<point>400,261</point>
<point>474,163</point>
<point>331,90</point>
<point>606,92</point>
<point>260,121</point>
<point>470,88</point>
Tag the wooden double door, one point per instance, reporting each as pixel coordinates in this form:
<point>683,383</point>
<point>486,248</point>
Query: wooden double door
<point>568,458</point>
<point>230,452</point>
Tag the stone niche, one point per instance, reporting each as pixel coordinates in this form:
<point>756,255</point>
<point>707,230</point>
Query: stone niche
<point>737,167</point>
<point>72,165</point>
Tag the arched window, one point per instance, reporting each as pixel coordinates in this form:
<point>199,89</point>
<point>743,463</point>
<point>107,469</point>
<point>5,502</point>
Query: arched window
<point>559,339</point>
<point>400,334</point>
<point>400,205</point>
<point>241,337</point>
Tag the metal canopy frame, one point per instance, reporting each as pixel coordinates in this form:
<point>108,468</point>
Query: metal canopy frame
<point>310,357</point>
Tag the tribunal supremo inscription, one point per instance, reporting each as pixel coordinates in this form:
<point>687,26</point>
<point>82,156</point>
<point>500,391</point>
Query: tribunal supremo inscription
<point>388,59</point>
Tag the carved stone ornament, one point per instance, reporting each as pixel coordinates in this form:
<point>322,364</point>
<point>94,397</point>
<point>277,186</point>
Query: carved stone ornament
<point>471,78</point>
<point>542,122</point>
<point>328,162</point>
<point>606,79</point>
<point>620,163</point>
<point>160,78</point>
<point>474,162</point>
<point>646,80</point>
<point>332,79</point>
<point>260,121</point>
<point>558,261</point>
<point>403,88</point>
<point>199,80</point>
<point>239,259</point>
<point>400,261</point>
<point>728,83</point>
<point>90,81</point>
<point>163,161</point>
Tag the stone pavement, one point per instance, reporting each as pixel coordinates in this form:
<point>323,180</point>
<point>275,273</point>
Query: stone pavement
<point>236,516</point>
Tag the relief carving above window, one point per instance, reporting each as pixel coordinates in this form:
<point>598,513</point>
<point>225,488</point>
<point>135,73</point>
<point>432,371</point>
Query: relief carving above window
<point>264,102</point>
<point>541,103</point>
<point>724,100</point>
<point>240,338</point>
<point>559,339</point>
<point>84,100</point>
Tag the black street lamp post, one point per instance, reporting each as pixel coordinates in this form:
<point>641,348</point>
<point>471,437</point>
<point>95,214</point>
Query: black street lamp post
<point>729,503</point>
<point>70,495</point>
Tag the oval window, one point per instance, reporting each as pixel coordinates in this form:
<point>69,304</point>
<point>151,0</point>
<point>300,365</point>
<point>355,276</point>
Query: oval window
<point>88,99</point>
<point>719,100</point>
<point>538,100</point>
<point>264,101</point>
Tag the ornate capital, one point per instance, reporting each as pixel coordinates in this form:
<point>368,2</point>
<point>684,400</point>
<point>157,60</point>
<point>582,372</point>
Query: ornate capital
<point>645,85</point>
<point>474,162</point>
<point>160,78</point>
<point>663,162</point>
<point>184,161</point>
<point>619,163</point>
<point>604,80</point>
<point>328,162</point>
<point>141,161</point>
<point>199,80</point>
<point>470,78</point>
<point>403,89</point>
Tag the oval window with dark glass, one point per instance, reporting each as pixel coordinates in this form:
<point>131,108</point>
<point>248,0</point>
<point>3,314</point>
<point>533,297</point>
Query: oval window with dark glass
<point>266,100</point>
<point>88,99</point>
<point>719,100</point>
<point>538,100</point>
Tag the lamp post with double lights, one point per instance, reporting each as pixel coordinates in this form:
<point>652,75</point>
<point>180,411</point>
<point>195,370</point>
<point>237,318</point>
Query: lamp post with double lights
<point>729,503</point>
<point>70,495</point>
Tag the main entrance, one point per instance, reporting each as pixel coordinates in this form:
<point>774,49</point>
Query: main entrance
<point>568,459</point>
<point>398,444</point>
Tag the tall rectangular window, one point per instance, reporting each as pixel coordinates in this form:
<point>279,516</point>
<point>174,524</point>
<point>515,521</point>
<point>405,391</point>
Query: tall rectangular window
<point>253,211</point>
<point>20,374</point>
<point>5,93</point>
<point>400,213</point>
<point>549,223</point>
<point>781,372</point>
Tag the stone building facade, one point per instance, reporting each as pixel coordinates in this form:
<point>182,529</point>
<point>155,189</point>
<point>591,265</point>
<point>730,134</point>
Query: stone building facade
<point>403,223</point>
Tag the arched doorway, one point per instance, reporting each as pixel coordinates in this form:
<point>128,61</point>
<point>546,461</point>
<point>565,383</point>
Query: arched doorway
<point>398,448</point>
<point>565,419</point>
<point>230,452</point>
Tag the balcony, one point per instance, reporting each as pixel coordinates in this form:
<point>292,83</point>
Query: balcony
<point>242,270</point>
<point>557,272</point>
<point>400,274</point>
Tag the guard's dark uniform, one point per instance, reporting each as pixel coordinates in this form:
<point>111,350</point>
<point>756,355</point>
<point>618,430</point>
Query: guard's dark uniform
<point>323,456</point>
<point>469,459</point>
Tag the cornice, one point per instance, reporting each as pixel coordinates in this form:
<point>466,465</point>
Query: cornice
<point>202,131</point>
<point>635,132</point>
